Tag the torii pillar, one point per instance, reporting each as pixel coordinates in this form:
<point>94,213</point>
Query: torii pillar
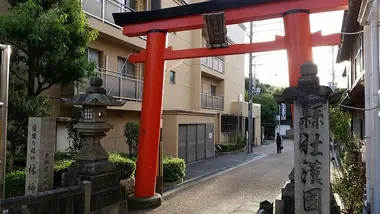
<point>298,43</point>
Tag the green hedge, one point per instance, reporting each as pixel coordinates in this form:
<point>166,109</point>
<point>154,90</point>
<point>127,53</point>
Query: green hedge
<point>126,166</point>
<point>63,156</point>
<point>15,181</point>
<point>231,147</point>
<point>15,184</point>
<point>174,169</point>
<point>60,167</point>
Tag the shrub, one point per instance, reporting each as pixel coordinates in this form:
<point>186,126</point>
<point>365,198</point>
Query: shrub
<point>174,169</point>
<point>15,184</point>
<point>131,132</point>
<point>126,166</point>
<point>350,185</point>
<point>63,156</point>
<point>231,147</point>
<point>59,168</point>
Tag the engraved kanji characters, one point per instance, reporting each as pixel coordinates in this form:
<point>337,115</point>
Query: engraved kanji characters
<point>32,169</point>
<point>304,175</point>
<point>315,171</point>
<point>317,117</point>
<point>34,127</point>
<point>312,200</point>
<point>32,187</point>
<point>303,145</point>
<point>315,146</point>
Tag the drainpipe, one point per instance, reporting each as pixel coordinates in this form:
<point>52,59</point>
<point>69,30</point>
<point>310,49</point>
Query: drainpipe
<point>364,13</point>
<point>368,118</point>
<point>375,84</point>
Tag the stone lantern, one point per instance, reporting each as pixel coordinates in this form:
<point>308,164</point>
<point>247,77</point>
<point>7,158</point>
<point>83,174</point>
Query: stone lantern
<point>91,162</point>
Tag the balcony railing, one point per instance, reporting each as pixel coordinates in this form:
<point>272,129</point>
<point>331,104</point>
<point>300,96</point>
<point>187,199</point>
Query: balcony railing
<point>118,85</point>
<point>103,10</point>
<point>210,101</point>
<point>213,63</point>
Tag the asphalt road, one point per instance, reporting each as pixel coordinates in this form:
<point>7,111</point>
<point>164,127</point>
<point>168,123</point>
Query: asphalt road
<point>235,190</point>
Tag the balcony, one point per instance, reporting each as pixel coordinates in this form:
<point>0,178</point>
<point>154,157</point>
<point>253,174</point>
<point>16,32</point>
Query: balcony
<point>210,101</point>
<point>103,10</point>
<point>213,63</point>
<point>120,86</point>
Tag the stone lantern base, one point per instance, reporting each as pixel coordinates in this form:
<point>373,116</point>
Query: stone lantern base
<point>107,195</point>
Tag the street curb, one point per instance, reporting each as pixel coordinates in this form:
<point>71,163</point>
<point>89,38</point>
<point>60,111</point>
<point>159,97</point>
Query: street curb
<point>204,177</point>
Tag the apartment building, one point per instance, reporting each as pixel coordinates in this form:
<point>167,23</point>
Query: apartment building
<point>351,54</point>
<point>202,104</point>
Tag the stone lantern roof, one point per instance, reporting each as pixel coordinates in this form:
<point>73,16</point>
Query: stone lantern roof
<point>95,96</point>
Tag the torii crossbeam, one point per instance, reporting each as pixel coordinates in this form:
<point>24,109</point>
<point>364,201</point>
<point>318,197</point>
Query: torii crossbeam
<point>298,42</point>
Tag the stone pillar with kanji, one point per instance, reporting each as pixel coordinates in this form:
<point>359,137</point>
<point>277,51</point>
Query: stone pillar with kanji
<point>312,192</point>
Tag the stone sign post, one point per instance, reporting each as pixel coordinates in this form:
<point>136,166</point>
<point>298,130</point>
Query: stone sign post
<point>40,155</point>
<point>311,141</point>
<point>311,155</point>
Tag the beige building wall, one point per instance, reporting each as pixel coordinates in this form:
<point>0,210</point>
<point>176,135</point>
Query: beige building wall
<point>3,6</point>
<point>115,139</point>
<point>183,96</point>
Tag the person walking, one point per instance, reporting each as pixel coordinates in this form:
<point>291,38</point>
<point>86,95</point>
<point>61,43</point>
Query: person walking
<point>279,143</point>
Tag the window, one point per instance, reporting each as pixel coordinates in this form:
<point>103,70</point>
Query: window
<point>94,56</point>
<point>213,90</point>
<point>125,68</point>
<point>359,63</point>
<point>172,77</point>
<point>130,4</point>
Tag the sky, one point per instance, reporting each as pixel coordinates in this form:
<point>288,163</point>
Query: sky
<point>272,68</point>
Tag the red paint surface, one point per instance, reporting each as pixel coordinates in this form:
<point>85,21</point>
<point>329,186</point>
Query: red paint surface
<point>147,157</point>
<point>236,16</point>
<point>278,44</point>
<point>298,40</point>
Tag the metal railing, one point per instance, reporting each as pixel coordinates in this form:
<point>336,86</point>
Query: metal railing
<point>103,10</point>
<point>230,137</point>
<point>210,101</point>
<point>118,85</point>
<point>213,63</point>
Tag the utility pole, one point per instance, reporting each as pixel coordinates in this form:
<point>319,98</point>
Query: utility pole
<point>250,92</point>
<point>279,119</point>
<point>5,62</point>
<point>375,103</point>
<point>332,68</point>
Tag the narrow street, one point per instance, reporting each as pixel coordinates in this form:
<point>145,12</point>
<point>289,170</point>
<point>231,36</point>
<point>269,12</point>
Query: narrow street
<point>236,190</point>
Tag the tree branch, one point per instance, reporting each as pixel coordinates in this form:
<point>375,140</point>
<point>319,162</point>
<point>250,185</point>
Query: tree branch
<point>18,77</point>
<point>41,89</point>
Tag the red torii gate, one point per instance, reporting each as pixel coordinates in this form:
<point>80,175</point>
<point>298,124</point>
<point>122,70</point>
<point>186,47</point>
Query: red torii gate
<point>298,42</point>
